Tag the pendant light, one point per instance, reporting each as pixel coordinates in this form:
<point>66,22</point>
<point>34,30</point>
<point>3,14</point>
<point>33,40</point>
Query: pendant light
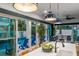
<point>25,7</point>
<point>58,21</point>
<point>50,16</point>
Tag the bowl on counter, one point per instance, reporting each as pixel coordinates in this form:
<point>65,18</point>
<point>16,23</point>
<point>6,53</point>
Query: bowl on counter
<point>47,47</point>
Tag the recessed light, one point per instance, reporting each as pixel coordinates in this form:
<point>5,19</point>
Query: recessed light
<point>26,7</point>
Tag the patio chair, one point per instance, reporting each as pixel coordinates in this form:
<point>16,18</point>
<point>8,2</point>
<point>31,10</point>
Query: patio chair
<point>23,43</point>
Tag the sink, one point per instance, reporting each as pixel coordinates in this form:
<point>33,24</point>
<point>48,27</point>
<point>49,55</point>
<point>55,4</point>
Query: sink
<point>64,53</point>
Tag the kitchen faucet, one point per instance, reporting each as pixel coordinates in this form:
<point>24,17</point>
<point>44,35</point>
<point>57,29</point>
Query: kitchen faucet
<point>62,41</point>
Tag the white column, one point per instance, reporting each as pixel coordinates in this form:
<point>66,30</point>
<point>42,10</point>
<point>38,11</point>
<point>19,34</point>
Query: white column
<point>37,39</point>
<point>28,31</point>
<point>72,36</point>
<point>16,37</point>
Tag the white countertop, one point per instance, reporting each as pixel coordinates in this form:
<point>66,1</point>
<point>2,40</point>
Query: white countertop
<point>68,50</point>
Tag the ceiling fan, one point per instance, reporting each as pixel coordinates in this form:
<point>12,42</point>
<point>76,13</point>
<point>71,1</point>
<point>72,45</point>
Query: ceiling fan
<point>51,17</point>
<point>67,17</point>
<point>54,18</point>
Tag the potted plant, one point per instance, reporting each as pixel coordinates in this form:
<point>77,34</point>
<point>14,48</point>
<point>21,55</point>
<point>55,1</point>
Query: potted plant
<point>41,33</point>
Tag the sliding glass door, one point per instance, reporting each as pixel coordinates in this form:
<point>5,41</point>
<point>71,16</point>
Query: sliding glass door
<point>69,32</point>
<point>7,36</point>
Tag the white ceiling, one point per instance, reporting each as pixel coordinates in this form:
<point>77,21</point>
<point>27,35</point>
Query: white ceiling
<point>9,6</point>
<point>71,9</point>
<point>64,9</point>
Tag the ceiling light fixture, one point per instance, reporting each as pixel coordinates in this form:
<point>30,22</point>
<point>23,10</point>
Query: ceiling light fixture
<point>26,7</point>
<point>50,16</point>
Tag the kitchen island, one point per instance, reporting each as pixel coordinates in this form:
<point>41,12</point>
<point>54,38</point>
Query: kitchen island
<point>68,50</point>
